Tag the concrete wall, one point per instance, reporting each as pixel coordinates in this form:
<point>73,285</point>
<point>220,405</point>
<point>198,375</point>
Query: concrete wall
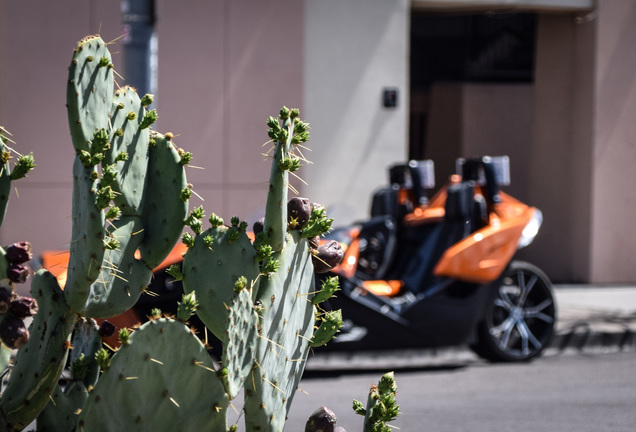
<point>353,50</point>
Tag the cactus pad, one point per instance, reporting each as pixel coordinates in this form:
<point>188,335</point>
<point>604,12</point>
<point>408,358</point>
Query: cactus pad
<point>163,379</point>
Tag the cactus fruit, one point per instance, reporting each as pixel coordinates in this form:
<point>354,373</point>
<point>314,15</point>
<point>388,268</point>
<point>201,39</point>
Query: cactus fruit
<point>321,420</point>
<point>327,256</point>
<point>299,212</point>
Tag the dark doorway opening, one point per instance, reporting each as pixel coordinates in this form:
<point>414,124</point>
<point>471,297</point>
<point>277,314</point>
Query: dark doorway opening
<point>486,48</point>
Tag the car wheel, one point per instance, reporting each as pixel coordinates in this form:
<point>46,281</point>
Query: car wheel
<point>520,317</point>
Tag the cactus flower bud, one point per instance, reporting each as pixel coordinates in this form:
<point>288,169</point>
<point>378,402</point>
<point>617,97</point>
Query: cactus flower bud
<point>17,273</point>
<point>24,165</point>
<point>23,307</point>
<point>147,99</point>
<point>298,212</point>
<point>19,253</point>
<point>328,255</point>
<point>13,332</point>
<point>106,329</point>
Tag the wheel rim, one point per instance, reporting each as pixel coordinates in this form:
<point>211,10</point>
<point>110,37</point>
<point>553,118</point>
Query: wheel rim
<point>523,315</point>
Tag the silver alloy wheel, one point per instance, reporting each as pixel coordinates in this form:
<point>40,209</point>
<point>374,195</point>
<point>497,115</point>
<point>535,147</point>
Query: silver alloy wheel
<point>520,320</point>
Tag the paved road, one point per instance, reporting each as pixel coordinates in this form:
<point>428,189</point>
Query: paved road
<point>566,392</point>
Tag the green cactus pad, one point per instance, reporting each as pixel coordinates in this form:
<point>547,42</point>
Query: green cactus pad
<point>163,210</point>
<point>163,380</point>
<point>89,91</point>
<point>287,326</point>
<point>40,362</point>
<point>123,277</point>
<point>87,245</point>
<point>86,342</point>
<point>241,339</point>
<point>131,171</point>
<point>212,272</point>
<point>61,413</point>
<point>276,207</point>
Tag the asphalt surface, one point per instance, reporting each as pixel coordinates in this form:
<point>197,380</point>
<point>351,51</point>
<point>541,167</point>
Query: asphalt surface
<point>590,318</point>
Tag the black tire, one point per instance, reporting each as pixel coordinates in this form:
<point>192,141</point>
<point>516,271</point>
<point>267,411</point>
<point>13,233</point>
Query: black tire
<point>520,317</point>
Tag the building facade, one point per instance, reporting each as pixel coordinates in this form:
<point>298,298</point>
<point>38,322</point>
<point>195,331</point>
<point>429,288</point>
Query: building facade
<point>222,67</point>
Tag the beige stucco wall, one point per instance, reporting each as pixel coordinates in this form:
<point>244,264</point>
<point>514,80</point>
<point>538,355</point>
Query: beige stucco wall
<point>353,50</point>
<point>583,145</point>
<point>613,235</point>
<point>36,44</point>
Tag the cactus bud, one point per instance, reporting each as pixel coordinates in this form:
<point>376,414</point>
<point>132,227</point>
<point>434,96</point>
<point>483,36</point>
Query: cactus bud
<point>327,290</point>
<point>328,256</point>
<point>284,113</point>
<point>147,99</point>
<point>131,115</point>
<point>187,239</point>
<point>104,197</point>
<point>233,235</point>
<point>235,221</point>
<point>186,157</point>
<point>13,332</point>
<point>124,336</point>
<point>294,113</point>
<point>186,193</point>
<point>19,253</point>
<point>150,117</point>
<point>121,157</point>
<point>113,213</point>
<point>24,165</point>
<point>23,307</point>
<point>103,359</point>
<point>215,220</point>
<point>208,241</point>
<point>108,175</point>
<point>175,272</point>
<point>240,284</point>
<point>17,273</point>
<point>106,329</point>
<point>111,243</point>
<point>358,407</point>
<point>242,226</point>
<point>187,306</point>
<point>298,212</point>
<point>79,367</point>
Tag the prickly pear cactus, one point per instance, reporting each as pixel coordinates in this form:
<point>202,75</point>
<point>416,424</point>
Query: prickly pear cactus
<point>122,176</point>
<point>256,293</point>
